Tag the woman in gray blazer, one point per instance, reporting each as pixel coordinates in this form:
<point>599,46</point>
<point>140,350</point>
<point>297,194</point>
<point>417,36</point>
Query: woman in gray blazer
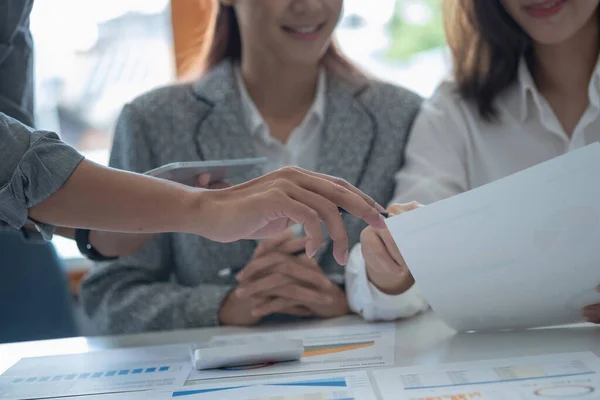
<point>276,86</point>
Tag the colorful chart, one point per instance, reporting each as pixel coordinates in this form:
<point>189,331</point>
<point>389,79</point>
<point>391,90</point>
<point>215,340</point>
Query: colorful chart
<point>307,396</point>
<point>464,396</point>
<point>325,389</point>
<point>91,375</point>
<point>313,351</point>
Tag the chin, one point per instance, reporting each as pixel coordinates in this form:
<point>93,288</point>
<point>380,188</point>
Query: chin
<point>307,60</point>
<point>551,37</point>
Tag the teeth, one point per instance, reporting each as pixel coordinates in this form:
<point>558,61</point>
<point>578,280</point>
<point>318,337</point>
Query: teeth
<point>548,5</point>
<point>553,4</point>
<point>305,29</point>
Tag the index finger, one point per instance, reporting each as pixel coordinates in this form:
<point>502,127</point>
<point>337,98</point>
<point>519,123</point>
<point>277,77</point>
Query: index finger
<point>268,245</point>
<point>343,194</point>
<point>345,184</point>
<point>293,246</point>
<point>258,265</point>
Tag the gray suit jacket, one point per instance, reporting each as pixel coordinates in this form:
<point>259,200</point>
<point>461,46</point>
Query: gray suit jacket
<point>173,281</point>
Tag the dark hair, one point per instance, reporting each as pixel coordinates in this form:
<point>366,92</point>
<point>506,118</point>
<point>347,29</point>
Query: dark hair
<point>487,46</point>
<point>226,44</point>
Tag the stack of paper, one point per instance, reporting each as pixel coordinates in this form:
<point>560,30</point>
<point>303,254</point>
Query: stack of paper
<point>520,252</point>
<point>161,372</point>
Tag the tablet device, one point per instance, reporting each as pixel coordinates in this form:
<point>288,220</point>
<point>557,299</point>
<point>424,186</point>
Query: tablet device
<point>219,170</point>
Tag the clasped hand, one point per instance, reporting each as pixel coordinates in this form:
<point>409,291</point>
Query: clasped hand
<point>277,281</point>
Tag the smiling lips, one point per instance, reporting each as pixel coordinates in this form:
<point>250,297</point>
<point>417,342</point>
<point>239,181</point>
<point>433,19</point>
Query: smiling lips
<point>545,9</point>
<point>304,32</point>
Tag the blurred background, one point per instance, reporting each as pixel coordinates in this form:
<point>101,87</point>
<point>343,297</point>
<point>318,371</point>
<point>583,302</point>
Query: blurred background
<point>88,67</point>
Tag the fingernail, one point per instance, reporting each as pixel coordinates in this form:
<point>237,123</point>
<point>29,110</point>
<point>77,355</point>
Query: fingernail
<point>241,293</point>
<point>327,283</point>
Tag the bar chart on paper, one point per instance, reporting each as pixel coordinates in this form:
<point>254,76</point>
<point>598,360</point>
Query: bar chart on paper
<point>93,373</point>
<point>77,376</point>
<point>338,388</point>
<point>312,351</point>
<point>349,386</point>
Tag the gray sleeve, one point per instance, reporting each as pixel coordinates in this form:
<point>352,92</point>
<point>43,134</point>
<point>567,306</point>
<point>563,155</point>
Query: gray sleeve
<point>136,293</point>
<point>16,60</point>
<point>35,164</point>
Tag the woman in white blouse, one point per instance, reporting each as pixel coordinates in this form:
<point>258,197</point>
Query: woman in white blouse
<point>525,89</point>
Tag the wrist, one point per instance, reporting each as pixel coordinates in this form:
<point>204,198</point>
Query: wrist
<point>99,243</point>
<point>390,284</point>
<point>85,246</point>
<point>193,213</point>
<point>227,310</point>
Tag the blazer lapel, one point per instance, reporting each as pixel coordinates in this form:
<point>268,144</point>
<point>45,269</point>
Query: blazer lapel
<point>348,136</point>
<point>221,133</point>
<point>348,132</point>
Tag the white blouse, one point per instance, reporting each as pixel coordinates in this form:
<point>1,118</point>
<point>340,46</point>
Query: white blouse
<point>452,150</point>
<point>302,147</point>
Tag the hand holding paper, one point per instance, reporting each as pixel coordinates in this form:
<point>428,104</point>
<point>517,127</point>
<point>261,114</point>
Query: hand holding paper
<point>517,253</point>
<point>385,265</point>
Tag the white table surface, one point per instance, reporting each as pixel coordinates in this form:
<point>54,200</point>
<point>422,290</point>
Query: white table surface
<point>422,340</point>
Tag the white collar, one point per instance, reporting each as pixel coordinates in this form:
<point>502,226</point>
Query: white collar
<point>254,121</point>
<point>527,86</point>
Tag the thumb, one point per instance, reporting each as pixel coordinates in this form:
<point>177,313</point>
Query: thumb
<point>203,181</point>
<point>396,209</point>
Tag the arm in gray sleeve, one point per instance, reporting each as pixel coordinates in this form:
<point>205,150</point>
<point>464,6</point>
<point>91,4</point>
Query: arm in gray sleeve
<point>136,293</point>
<point>33,165</point>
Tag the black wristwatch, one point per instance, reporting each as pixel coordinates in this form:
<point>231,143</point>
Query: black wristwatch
<point>82,238</point>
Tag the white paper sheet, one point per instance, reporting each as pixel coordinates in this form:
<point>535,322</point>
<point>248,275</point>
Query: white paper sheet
<point>355,346</point>
<point>520,252</point>
<point>566,376</point>
<point>161,367</point>
<point>350,386</point>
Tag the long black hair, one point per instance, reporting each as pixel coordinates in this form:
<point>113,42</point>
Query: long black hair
<point>487,46</point>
